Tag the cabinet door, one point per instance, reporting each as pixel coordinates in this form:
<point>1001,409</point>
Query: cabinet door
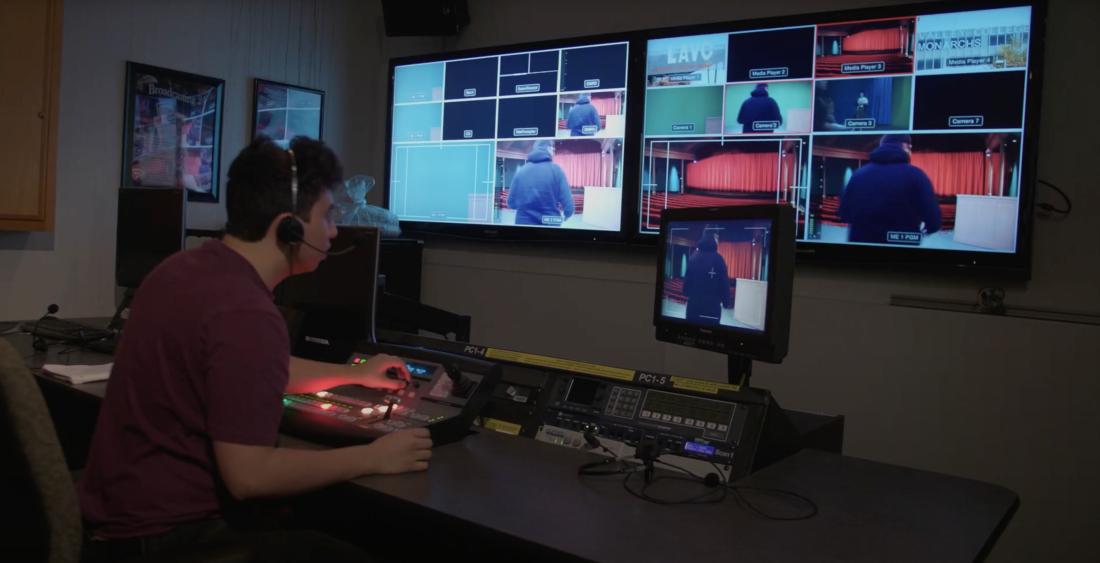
<point>30,56</point>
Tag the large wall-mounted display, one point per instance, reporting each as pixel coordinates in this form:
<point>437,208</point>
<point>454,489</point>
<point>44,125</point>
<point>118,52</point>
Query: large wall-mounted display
<point>899,135</point>
<point>891,132</point>
<point>522,139</point>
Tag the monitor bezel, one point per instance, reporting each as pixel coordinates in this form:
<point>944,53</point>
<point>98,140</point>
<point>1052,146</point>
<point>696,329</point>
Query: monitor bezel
<point>303,292</point>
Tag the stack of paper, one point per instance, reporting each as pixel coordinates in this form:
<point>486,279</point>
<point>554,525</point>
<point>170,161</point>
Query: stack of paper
<point>77,374</point>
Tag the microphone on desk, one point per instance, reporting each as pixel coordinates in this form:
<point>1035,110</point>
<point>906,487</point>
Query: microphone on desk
<point>37,342</point>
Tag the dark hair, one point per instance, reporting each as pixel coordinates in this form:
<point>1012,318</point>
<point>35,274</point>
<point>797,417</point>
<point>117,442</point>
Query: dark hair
<point>259,183</point>
<point>706,242</point>
<point>896,138</point>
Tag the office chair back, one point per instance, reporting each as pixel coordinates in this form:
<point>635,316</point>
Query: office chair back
<point>39,495</point>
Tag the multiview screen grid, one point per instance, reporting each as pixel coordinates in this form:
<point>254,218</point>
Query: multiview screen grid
<point>904,131</point>
<point>530,139</point>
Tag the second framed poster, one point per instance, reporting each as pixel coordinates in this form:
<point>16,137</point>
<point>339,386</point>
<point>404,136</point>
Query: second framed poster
<point>284,111</point>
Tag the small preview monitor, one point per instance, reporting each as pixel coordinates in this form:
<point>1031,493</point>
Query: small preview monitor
<point>332,308</point>
<point>724,278</point>
<point>151,227</point>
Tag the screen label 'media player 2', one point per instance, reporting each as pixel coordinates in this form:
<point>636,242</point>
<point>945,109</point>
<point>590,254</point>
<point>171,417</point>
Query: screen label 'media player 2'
<point>529,139</point>
<point>898,132</point>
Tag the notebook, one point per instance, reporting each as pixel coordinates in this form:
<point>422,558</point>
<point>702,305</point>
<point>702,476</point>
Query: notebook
<point>78,374</point>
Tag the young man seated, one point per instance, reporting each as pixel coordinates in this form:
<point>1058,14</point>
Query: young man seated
<point>188,428</point>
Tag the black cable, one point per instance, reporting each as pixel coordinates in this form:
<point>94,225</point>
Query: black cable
<point>811,512</point>
<point>697,499</point>
<point>593,441</point>
<point>710,496</point>
<point>738,491</point>
<point>596,468</point>
<point>609,452</point>
<point>617,467</point>
<point>1049,207</point>
<point>713,494</point>
<point>718,494</point>
<point>680,469</point>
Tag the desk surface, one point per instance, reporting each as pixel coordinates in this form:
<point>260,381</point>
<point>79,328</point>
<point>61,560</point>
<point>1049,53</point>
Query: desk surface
<point>530,491</point>
<point>868,511</point>
<point>60,354</point>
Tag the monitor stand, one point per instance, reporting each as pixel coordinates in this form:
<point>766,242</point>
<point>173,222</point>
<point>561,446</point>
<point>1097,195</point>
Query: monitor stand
<point>778,436</point>
<point>123,311</point>
<point>738,370</point>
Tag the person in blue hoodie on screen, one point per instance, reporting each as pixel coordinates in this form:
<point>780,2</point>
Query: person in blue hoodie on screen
<point>540,190</point>
<point>583,119</point>
<point>706,282</point>
<point>760,109</point>
<point>890,195</point>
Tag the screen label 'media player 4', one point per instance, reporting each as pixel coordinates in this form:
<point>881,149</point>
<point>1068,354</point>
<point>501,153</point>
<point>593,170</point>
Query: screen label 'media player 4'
<point>529,139</point>
<point>889,132</point>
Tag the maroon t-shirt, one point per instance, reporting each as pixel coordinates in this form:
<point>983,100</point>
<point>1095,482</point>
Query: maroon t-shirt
<point>204,356</point>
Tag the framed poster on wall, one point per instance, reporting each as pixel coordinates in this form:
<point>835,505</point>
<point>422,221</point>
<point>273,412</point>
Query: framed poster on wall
<point>172,131</point>
<point>284,111</point>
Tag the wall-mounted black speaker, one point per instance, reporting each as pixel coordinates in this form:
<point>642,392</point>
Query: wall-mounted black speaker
<point>426,17</point>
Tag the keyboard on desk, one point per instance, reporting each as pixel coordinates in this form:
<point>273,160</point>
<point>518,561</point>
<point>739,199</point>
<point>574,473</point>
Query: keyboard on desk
<point>67,331</point>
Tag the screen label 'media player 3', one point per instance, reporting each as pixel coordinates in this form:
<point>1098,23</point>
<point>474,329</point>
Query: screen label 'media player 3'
<point>897,132</point>
<point>530,139</point>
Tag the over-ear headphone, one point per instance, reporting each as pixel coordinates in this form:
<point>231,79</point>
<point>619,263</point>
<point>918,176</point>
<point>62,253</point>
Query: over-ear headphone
<point>290,229</point>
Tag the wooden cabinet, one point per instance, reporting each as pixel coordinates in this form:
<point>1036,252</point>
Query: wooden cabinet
<point>30,68</point>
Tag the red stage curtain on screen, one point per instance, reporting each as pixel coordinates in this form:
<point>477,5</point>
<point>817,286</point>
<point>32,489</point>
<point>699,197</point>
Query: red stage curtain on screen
<point>874,40</point>
<point>585,169</point>
<point>743,259</point>
<point>735,172</point>
<point>608,106</point>
<point>968,173</point>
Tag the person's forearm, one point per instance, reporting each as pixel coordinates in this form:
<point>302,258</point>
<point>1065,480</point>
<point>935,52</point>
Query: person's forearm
<point>308,376</point>
<point>278,472</point>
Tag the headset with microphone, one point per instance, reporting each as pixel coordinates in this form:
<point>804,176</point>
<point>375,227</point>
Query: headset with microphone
<point>290,230</point>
